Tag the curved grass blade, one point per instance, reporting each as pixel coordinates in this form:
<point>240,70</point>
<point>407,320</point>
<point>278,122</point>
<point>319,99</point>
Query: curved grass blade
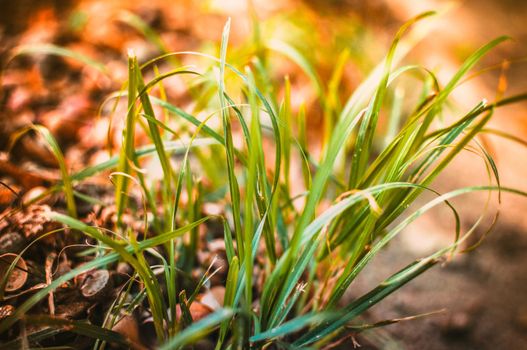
<point>54,147</point>
<point>334,323</point>
<point>127,153</point>
<point>51,49</point>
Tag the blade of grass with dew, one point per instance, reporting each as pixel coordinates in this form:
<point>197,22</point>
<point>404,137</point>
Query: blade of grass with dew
<point>285,127</point>
<point>310,240</point>
<point>228,299</point>
<point>344,127</point>
<point>229,147</point>
<point>127,150</point>
<point>393,283</point>
<point>347,276</point>
<point>250,194</point>
<point>257,177</point>
<point>366,131</point>
<point>346,280</point>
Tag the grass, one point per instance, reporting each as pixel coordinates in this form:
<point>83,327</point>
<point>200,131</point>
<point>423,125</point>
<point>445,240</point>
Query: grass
<point>308,257</point>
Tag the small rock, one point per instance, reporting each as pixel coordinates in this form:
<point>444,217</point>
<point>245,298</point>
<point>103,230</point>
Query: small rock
<point>96,285</point>
<point>199,310</point>
<point>219,294</point>
<point>213,298</point>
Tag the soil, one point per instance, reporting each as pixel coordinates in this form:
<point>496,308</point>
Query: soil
<point>480,294</point>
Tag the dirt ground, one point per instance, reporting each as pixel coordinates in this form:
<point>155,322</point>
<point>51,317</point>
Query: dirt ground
<point>481,295</point>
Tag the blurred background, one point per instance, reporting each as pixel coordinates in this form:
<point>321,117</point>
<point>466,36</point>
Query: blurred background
<point>482,292</point>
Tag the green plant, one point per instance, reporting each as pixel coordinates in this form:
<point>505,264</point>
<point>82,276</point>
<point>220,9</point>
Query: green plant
<point>306,260</point>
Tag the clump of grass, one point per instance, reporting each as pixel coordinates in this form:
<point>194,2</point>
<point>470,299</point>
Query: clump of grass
<point>306,258</point>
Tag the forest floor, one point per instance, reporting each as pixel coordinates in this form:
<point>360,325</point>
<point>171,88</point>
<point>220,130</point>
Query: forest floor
<point>482,294</point>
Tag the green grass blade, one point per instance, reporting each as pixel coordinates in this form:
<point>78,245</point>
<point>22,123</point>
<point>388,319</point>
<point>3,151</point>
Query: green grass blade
<point>94,264</point>
<point>393,283</point>
<point>229,147</point>
<point>79,327</point>
<point>54,147</point>
<point>127,150</point>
